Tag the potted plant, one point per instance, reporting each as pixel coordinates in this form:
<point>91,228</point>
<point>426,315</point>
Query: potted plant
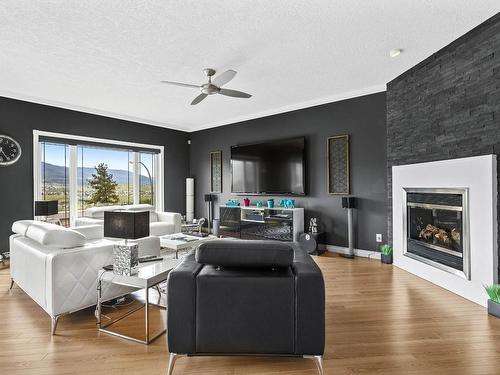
<point>386,256</point>
<point>494,300</point>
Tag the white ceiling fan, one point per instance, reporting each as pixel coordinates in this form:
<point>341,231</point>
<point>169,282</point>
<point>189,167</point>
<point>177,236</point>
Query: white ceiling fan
<point>213,86</point>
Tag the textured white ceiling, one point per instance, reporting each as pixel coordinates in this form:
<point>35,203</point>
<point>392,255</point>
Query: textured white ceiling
<point>107,57</point>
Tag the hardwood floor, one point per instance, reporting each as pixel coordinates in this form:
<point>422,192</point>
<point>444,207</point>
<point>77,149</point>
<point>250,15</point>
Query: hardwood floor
<point>380,320</point>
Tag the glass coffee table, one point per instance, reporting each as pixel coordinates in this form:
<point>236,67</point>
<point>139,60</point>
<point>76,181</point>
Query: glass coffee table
<point>182,241</point>
<point>149,275</point>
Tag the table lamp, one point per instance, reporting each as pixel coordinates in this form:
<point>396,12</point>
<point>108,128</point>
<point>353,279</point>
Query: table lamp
<point>128,225</point>
<point>44,209</point>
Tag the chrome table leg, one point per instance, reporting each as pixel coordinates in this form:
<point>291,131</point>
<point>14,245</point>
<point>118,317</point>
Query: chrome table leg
<point>319,362</point>
<point>146,311</point>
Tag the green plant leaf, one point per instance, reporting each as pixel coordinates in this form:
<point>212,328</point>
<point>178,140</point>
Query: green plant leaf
<point>386,249</point>
<point>493,292</point>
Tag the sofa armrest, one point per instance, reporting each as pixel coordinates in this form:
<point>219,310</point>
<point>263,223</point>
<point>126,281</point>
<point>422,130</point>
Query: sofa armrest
<point>28,268</point>
<point>181,302</point>
<point>310,305</point>
<point>84,221</point>
<point>91,232</point>
<point>171,218</point>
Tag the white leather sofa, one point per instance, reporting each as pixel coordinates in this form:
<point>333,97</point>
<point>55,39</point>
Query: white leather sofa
<point>57,267</point>
<point>160,223</point>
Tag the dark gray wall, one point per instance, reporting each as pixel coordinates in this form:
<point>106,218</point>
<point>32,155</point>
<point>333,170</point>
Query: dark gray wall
<point>19,118</point>
<point>448,106</point>
<point>362,118</point>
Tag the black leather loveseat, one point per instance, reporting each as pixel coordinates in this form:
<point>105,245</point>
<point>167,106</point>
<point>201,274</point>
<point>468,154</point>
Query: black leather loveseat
<point>233,297</point>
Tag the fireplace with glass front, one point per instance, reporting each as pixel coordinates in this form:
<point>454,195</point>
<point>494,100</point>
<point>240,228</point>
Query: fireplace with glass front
<point>436,228</point>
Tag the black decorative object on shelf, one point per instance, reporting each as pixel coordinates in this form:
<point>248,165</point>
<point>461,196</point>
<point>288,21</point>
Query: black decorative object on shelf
<point>310,241</point>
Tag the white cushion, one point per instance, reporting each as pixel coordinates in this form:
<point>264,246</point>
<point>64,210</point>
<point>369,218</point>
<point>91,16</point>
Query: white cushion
<point>55,236</point>
<point>21,226</point>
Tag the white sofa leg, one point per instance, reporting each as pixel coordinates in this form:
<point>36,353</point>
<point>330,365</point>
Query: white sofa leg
<point>319,362</point>
<point>55,320</point>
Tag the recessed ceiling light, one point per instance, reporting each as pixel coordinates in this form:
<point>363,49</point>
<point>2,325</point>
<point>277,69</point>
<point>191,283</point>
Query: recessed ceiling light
<point>395,52</point>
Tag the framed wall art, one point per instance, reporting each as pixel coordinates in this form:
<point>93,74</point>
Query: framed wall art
<point>216,171</point>
<point>338,173</point>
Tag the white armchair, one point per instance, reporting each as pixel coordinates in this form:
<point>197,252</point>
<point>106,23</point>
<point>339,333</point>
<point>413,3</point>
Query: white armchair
<point>162,223</point>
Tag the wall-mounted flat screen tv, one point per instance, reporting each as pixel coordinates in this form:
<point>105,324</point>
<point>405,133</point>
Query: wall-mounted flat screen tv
<point>273,168</point>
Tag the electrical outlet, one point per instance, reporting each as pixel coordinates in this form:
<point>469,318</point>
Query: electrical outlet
<point>379,237</point>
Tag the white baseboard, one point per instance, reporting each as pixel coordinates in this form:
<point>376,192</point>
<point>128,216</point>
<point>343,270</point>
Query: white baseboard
<point>357,252</point>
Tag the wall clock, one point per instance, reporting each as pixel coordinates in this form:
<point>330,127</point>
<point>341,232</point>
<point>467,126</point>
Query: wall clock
<point>10,151</point>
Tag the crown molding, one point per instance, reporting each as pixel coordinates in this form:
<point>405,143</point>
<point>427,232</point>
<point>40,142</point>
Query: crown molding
<point>190,129</point>
<point>293,107</point>
<point>93,111</point>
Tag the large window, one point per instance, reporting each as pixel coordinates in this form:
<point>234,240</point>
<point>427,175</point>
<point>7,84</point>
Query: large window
<point>95,164</point>
<point>84,172</point>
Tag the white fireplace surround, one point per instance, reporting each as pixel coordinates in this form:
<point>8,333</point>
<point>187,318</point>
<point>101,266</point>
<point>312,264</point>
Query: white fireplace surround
<point>478,175</point>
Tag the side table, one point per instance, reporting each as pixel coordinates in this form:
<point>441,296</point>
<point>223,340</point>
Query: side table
<point>149,275</point>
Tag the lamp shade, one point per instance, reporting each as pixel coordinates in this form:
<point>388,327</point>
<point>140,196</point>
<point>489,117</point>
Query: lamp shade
<point>46,208</point>
<point>128,225</point>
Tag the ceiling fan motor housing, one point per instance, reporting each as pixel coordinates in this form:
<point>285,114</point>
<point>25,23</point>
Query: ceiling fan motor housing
<point>209,89</point>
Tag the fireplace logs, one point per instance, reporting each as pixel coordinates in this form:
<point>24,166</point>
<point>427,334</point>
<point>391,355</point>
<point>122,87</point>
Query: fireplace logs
<point>440,235</point>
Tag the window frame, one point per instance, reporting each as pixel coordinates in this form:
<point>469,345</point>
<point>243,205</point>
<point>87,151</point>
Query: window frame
<point>158,166</point>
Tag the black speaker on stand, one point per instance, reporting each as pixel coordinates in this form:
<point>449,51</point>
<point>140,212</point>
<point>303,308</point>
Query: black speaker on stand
<point>349,203</point>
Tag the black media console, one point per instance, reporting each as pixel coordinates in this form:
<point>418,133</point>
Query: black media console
<point>259,223</point>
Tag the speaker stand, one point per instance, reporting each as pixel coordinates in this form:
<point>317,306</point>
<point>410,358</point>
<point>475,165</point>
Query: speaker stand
<point>350,230</point>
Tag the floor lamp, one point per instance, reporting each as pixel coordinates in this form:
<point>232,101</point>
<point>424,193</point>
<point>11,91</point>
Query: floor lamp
<point>208,200</point>
<point>189,199</point>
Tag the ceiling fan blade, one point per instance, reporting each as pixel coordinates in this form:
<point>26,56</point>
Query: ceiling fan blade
<point>234,93</point>
<point>198,99</point>
<point>180,84</point>
<point>224,78</point>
